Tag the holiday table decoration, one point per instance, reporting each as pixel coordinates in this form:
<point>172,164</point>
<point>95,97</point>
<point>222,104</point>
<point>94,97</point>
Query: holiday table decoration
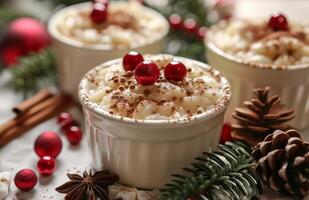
<point>33,72</point>
<point>88,186</point>
<point>5,181</point>
<point>283,162</point>
<point>46,165</point>
<point>25,179</point>
<point>260,117</point>
<point>33,112</point>
<point>226,173</point>
<point>48,144</point>
<point>24,35</point>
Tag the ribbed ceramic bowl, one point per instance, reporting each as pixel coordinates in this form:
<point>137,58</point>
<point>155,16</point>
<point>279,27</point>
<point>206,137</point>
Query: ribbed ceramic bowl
<point>292,84</point>
<point>75,59</point>
<point>144,153</point>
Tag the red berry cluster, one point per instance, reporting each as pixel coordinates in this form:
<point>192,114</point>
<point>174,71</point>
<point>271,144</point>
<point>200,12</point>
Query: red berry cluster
<point>99,11</point>
<point>189,26</point>
<point>70,127</point>
<point>278,22</point>
<point>48,146</point>
<point>147,72</point>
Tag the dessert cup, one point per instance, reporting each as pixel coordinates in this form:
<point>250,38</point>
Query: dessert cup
<point>144,153</point>
<point>75,58</point>
<point>291,83</point>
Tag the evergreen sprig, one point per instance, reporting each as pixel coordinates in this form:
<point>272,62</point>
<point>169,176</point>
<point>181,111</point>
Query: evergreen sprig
<point>35,71</point>
<point>223,174</point>
<point>178,42</point>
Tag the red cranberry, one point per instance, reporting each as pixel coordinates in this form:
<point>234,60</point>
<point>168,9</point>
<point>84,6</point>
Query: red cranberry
<point>226,133</point>
<point>190,25</point>
<point>46,166</point>
<point>278,22</point>
<point>175,21</point>
<point>147,73</point>
<point>74,135</point>
<point>99,13</point>
<point>202,32</point>
<point>175,71</point>
<point>64,116</point>
<point>66,124</point>
<point>131,60</point>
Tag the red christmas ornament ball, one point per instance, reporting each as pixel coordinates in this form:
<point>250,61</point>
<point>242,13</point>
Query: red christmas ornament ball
<point>74,135</point>
<point>190,25</point>
<point>99,12</point>
<point>175,71</point>
<point>24,35</point>
<point>278,22</point>
<point>46,166</point>
<point>48,144</point>
<point>147,73</point>
<point>63,117</point>
<point>25,179</point>
<point>175,21</point>
<point>226,133</point>
<point>202,32</point>
<point>131,60</point>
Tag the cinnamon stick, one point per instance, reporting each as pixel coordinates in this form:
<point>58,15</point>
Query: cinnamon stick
<point>48,112</point>
<point>26,105</point>
<point>32,111</point>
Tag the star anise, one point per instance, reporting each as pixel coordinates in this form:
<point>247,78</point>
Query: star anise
<point>88,186</point>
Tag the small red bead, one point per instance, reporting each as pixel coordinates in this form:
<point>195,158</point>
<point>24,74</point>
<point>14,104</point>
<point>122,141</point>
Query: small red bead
<point>190,25</point>
<point>278,22</point>
<point>74,135</point>
<point>46,166</point>
<point>202,32</point>
<point>66,124</point>
<point>64,116</point>
<point>147,73</point>
<point>99,13</point>
<point>175,21</point>
<point>131,60</point>
<point>48,144</point>
<point>175,71</point>
<point>25,179</point>
<point>105,2</point>
<point>226,133</point>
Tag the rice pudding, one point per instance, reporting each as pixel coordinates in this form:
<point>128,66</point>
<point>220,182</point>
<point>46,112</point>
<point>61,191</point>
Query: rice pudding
<point>128,25</point>
<point>117,92</point>
<point>255,43</point>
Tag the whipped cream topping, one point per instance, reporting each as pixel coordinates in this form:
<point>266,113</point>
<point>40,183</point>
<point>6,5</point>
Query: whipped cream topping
<point>128,25</point>
<point>252,42</point>
<point>117,92</point>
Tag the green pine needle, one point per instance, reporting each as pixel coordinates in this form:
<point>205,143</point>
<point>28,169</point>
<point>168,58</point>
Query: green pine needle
<point>33,72</point>
<point>225,174</point>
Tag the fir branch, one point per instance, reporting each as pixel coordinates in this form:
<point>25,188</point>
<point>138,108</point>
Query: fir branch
<point>223,174</point>
<point>33,72</point>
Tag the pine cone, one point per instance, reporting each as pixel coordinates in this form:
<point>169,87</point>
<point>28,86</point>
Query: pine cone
<point>261,117</point>
<point>283,162</point>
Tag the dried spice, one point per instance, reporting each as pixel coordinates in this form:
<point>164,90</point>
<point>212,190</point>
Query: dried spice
<point>88,186</point>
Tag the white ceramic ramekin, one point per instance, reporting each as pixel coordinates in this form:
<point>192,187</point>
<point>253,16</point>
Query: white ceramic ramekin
<point>75,59</point>
<point>291,84</point>
<point>144,153</point>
